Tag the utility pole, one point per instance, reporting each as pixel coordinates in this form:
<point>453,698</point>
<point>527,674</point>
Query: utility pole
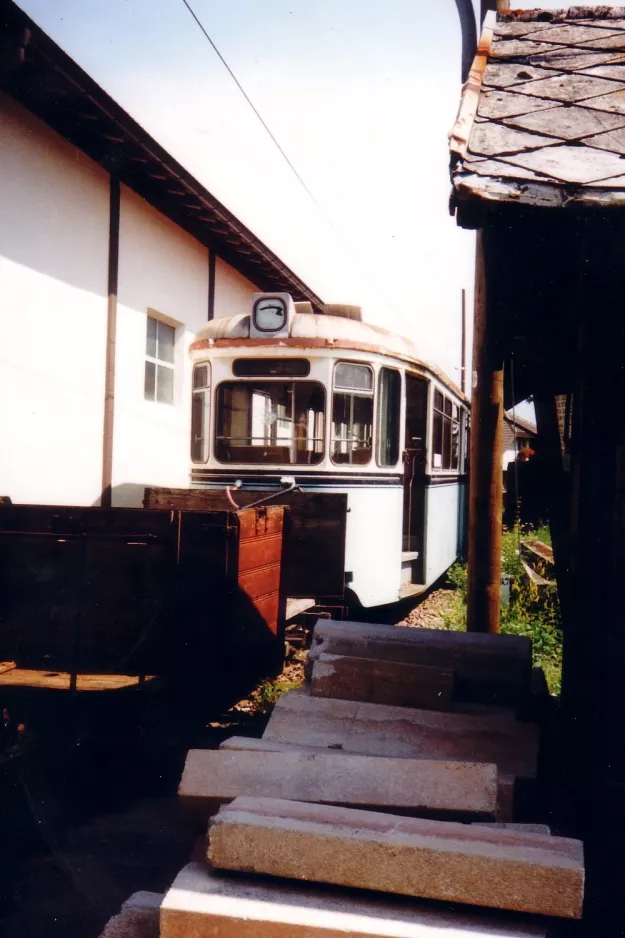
<point>463,341</point>
<point>486,463</point>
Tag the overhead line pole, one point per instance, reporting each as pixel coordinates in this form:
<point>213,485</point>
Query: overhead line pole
<point>486,462</point>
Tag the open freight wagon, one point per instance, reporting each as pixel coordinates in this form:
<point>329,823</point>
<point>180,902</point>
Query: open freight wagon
<point>96,599</point>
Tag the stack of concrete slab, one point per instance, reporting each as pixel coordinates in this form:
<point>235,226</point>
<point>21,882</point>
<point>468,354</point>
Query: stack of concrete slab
<point>345,818</point>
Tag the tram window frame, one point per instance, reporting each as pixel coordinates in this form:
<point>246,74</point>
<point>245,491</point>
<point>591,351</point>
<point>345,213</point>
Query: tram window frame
<point>388,424</point>
<point>200,406</point>
<point>446,427</point>
<point>316,455</point>
<point>160,361</point>
<point>355,397</point>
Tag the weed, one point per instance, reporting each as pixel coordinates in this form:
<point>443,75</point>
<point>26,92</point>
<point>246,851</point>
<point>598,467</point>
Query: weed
<point>532,612</point>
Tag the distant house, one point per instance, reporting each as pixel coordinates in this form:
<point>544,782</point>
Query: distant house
<point>112,256</point>
<point>518,436</point>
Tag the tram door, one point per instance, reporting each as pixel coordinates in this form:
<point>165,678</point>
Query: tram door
<point>414,473</point>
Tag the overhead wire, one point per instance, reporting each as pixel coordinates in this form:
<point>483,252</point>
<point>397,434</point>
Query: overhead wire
<point>289,163</point>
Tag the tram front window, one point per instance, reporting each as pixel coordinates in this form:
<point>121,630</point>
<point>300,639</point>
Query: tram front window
<point>270,422</point>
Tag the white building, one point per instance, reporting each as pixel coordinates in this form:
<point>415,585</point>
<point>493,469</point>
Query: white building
<point>112,257</point>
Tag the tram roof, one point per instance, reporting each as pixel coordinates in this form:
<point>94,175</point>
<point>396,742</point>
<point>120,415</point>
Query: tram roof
<point>311,330</point>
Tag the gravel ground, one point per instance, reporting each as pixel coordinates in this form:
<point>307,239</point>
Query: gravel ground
<point>427,615</point>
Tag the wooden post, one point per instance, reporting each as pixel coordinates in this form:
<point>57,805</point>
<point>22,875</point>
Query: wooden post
<point>486,465</point>
<point>497,5</point>
<point>111,334</point>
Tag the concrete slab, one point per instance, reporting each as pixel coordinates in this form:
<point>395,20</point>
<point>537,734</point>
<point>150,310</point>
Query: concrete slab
<point>400,732</point>
<point>403,786</point>
<point>513,826</point>
<point>383,682</point>
<point>492,669</point>
<point>506,783</point>
<point>138,918</point>
<point>440,860</point>
<point>203,903</point>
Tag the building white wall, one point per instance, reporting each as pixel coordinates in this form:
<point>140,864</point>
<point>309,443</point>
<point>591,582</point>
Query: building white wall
<point>54,242</point>
<point>232,290</point>
<point>164,270</point>
<point>54,224</point>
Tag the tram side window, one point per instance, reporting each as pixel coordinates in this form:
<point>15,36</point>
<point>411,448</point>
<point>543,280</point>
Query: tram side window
<point>270,422</point>
<point>200,412</point>
<point>389,403</point>
<point>445,433</point>
<point>352,414</point>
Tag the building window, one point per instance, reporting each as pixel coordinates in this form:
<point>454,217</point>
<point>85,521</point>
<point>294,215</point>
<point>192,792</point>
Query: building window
<point>445,433</point>
<point>200,413</point>
<point>389,402</point>
<point>159,362</point>
<point>352,414</point>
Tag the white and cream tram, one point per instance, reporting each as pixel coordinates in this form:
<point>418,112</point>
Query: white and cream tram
<point>282,396</point>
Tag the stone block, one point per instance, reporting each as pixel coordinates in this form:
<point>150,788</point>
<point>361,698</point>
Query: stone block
<point>440,860</point>
<point>401,732</point>
<point>492,669</point>
<point>204,903</point>
<point>383,682</point>
<point>403,786</point>
<point>138,918</point>
<point>506,783</point>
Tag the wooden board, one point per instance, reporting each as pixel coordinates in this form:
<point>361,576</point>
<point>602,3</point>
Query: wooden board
<point>62,680</point>
<point>314,564</point>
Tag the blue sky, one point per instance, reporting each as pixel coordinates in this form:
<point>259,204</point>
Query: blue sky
<point>361,95</point>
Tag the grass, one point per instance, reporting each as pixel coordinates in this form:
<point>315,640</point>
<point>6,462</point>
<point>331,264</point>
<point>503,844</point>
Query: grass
<point>532,613</point>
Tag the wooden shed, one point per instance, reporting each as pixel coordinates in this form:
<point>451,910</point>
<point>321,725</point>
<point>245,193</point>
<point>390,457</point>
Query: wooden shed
<point>538,168</point>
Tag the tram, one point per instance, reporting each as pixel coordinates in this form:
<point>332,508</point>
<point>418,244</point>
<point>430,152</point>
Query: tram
<point>284,398</point>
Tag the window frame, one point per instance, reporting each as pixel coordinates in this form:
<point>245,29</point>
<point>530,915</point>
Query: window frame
<point>157,362</point>
<point>354,392</point>
<point>206,392</point>
<point>378,416</point>
<point>448,420</point>
<point>218,411</point>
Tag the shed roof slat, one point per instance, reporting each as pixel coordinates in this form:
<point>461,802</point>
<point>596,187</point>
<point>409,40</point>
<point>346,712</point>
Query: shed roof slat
<point>568,88</point>
<point>613,140</point>
<point>504,170</point>
<point>505,74</point>
<point>608,42</point>
<point>568,123</point>
<point>614,102</point>
<point>569,164</point>
<point>496,139</point>
<point>571,35</point>
<point>521,48</point>
<point>499,104</point>
<point>572,60</point>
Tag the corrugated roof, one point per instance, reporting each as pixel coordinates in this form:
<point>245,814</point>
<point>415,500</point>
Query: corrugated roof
<point>542,114</point>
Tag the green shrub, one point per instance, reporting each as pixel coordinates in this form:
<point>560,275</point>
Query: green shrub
<point>533,613</point>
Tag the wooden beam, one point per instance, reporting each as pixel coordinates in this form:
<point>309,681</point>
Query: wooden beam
<point>486,472</point>
<point>497,5</point>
